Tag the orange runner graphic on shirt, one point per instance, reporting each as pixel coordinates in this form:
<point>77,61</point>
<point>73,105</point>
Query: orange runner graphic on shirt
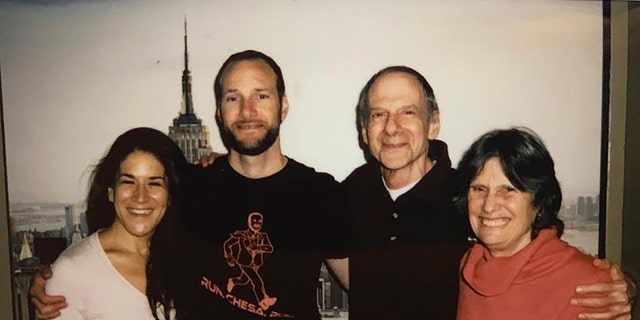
<point>244,249</point>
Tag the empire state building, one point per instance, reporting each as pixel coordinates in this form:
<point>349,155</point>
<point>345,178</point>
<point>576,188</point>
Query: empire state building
<point>187,129</point>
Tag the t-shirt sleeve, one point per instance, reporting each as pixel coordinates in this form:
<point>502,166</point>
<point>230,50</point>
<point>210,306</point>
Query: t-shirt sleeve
<point>337,232</point>
<point>67,281</point>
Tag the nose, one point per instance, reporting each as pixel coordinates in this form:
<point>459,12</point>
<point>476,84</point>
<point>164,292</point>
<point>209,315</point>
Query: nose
<point>141,194</point>
<point>391,126</point>
<point>491,202</point>
<point>247,108</point>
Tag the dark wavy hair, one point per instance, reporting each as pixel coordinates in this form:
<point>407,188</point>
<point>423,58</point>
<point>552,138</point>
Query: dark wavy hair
<point>101,212</point>
<point>245,56</point>
<point>528,166</point>
<point>363,109</point>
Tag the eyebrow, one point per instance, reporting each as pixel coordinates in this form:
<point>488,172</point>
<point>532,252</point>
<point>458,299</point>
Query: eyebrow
<point>413,105</point>
<point>127,175</point>
<point>230,91</point>
<point>233,90</point>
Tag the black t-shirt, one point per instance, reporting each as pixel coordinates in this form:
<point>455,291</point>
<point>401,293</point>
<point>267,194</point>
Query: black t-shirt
<point>257,244</point>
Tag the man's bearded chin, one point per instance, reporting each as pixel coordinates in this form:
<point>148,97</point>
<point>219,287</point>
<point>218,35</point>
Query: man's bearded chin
<point>249,149</point>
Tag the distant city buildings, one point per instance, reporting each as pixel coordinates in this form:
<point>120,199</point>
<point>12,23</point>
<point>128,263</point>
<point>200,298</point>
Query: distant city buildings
<point>187,129</point>
<point>75,224</point>
<point>583,214</point>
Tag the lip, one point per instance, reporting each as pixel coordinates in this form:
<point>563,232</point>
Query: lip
<point>140,211</point>
<point>393,146</point>
<point>494,222</point>
<point>249,125</point>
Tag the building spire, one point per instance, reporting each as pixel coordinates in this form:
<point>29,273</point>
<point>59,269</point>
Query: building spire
<point>25,251</point>
<point>187,103</point>
<point>187,130</point>
<point>186,55</point>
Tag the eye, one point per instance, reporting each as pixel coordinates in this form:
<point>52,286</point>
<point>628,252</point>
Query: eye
<point>477,189</point>
<point>231,99</point>
<point>158,183</point>
<point>408,112</point>
<point>126,181</point>
<point>263,96</point>
<point>377,114</point>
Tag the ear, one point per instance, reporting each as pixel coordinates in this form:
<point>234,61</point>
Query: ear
<point>363,134</point>
<point>284,108</point>
<point>434,126</point>
<point>110,194</point>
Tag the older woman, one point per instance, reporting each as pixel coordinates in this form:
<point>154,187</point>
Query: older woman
<point>105,275</point>
<point>519,269</point>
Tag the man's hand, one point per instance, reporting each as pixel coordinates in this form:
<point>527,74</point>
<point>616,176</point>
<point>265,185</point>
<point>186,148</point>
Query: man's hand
<point>613,296</point>
<point>47,307</point>
<point>206,161</point>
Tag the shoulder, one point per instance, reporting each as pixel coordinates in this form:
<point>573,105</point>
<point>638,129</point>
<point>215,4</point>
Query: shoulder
<point>568,264</point>
<point>581,265</point>
<point>196,173</point>
<point>68,270</point>
<point>78,252</point>
<point>303,172</point>
<point>363,175</point>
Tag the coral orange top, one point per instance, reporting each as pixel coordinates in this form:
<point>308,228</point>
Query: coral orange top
<point>538,282</point>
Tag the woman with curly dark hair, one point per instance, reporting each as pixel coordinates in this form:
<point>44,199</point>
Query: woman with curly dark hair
<point>132,193</point>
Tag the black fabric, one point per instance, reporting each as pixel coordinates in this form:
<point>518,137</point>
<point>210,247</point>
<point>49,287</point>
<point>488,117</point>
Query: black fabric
<point>405,267</point>
<point>302,224</point>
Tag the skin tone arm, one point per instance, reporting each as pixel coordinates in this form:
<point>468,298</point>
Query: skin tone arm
<point>339,269</point>
<point>617,295</point>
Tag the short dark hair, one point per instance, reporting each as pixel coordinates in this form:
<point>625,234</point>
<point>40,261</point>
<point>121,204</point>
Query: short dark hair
<point>363,107</point>
<point>244,56</point>
<point>528,166</point>
<point>100,211</point>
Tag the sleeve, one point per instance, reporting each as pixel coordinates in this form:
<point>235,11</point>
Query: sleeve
<point>336,214</point>
<point>66,281</point>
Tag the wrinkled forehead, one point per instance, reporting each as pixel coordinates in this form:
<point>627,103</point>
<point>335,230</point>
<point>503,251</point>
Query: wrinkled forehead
<point>395,86</point>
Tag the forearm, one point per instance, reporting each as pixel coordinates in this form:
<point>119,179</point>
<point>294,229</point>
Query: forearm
<point>339,269</point>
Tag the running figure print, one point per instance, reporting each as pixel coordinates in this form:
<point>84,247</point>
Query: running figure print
<point>244,249</point>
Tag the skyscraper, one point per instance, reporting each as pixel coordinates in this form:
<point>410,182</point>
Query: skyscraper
<point>187,129</point>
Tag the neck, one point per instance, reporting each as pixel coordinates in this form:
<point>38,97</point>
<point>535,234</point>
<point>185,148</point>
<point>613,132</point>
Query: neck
<point>399,178</point>
<point>114,239</point>
<point>259,166</point>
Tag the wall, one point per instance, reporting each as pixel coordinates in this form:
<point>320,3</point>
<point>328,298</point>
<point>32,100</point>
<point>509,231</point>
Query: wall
<point>623,207</point>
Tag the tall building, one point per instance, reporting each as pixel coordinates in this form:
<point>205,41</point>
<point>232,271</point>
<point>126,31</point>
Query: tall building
<point>187,129</point>
<point>69,222</point>
<point>76,236</point>
<point>592,208</point>
<point>25,250</point>
<point>582,207</point>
